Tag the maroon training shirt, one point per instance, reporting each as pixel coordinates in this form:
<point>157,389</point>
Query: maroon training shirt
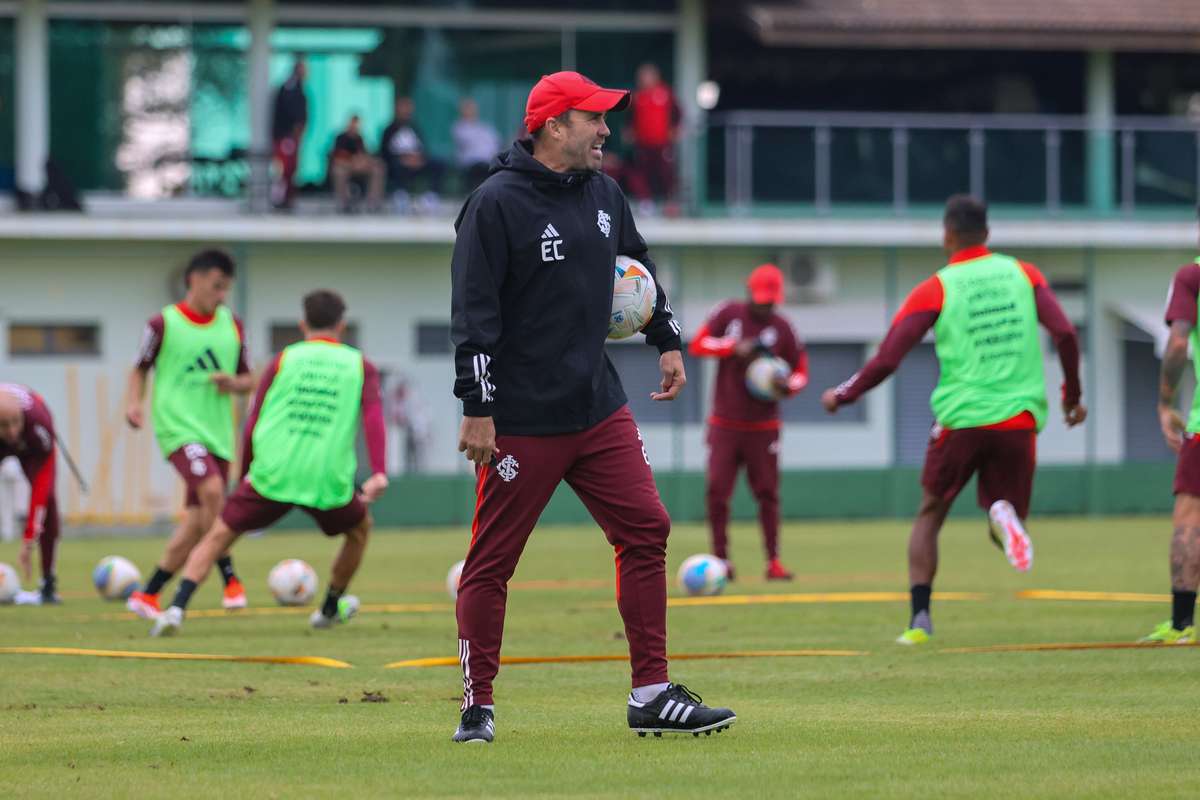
<point>35,451</point>
<point>733,405</point>
<point>1181,302</point>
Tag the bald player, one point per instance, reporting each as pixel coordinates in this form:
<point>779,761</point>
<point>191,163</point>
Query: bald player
<point>27,432</point>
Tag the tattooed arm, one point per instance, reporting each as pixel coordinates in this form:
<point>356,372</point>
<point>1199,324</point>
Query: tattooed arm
<point>1175,360</point>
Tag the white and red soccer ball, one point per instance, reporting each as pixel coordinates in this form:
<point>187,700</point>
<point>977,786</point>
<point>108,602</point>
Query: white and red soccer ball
<point>292,582</point>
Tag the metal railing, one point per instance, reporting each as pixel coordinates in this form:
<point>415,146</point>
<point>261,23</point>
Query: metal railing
<point>899,160</point>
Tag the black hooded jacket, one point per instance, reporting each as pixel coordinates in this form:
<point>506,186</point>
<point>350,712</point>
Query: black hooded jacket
<point>532,285</point>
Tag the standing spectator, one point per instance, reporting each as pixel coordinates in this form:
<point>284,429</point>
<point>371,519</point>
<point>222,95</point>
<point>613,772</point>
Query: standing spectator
<point>288,120</point>
<point>407,162</point>
<point>476,143</point>
<point>350,160</point>
<point>654,127</point>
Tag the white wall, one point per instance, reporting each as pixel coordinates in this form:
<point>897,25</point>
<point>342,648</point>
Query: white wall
<point>389,288</point>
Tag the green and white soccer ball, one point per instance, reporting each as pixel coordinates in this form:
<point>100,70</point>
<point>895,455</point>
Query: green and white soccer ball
<point>634,296</point>
<point>292,582</point>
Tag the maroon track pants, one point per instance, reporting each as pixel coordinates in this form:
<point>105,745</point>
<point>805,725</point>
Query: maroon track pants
<point>607,467</point>
<point>728,450</point>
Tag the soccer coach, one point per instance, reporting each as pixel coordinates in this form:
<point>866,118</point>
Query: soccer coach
<point>532,285</point>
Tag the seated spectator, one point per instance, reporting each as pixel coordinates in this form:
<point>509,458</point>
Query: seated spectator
<point>350,160</point>
<point>654,128</point>
<point>476,143</point>
<point>408,164</point>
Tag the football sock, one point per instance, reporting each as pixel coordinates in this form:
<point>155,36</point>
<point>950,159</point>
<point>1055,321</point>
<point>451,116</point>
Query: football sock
<point>490,708</point>
<point>1183,609</point>
<point>184,594</point>
<point>226,565</point>
<point>330,607</point>
<point>920,594</point>
<point>644,694</point>
<point>157,581</point>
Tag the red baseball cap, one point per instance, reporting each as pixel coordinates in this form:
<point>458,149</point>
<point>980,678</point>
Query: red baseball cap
<point>766,284</point>
<point>556,93</point>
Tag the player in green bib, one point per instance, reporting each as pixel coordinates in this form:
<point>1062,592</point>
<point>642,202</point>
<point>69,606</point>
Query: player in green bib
<point>299,452</point>
<point>198,353</point>
<point>1182,437</point>
<point>990,401</point>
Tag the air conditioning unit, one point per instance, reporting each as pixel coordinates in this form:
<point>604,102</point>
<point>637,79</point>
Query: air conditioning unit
<point>811,277</point>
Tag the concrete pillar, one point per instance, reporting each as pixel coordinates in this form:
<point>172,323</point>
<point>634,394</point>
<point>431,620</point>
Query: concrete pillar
<point>258,78</point>
<point>691,67</point>
<point>32,95</point>
<point>1101,116</point>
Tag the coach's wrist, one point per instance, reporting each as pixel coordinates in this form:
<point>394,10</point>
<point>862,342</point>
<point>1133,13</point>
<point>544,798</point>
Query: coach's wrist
<point>474,408</point>
<point>674,343</point>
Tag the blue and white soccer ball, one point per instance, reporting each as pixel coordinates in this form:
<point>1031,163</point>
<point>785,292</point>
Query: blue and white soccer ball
<point>116,578</point>
<point>10,584</point>
<point>703,575</point>
<point>634,297</point>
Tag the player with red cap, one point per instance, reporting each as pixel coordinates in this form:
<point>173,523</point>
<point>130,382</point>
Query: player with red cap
<point>744,429</point>
<point>531,298</point>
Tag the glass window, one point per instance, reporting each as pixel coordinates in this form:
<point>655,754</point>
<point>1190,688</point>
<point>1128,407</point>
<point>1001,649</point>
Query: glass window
<point>433,339</point>
<point>145,98</point>
<point>287,333</point>
<point>365,71</point>
<point>828,365</point>
<point>7,108</point>
<point>53,339</point>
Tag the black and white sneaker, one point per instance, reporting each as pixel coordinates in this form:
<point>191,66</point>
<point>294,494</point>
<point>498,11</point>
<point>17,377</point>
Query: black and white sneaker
<point>478,725</point>
<point>677,710</point>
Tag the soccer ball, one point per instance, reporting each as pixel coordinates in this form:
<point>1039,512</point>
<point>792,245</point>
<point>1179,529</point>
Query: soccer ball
<point>703,574</point>
<point>634,296</point>
<point>293,582</point>
<point>10,584</point>
<point>452,579</point>
<point>761,376</point>
<point>115,578</point>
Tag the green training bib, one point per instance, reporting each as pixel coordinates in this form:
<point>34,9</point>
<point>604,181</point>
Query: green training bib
<point>186,406</point>
<point>988,347</point>
<point>304,438</point>
<point>1193,424</point>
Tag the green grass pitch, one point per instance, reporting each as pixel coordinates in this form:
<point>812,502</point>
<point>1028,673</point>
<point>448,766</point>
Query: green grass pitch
<point>893,723</point>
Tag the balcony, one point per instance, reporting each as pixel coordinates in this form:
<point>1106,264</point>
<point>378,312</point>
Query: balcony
<point>771,163</point>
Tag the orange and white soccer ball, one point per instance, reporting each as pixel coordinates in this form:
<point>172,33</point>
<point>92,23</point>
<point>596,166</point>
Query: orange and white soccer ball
<point>292,582</point>
<point>10,584</point>
<point>634,296</point>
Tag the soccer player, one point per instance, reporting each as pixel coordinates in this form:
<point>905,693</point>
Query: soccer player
<point>532,287</point>
<point>744,429</point>
<point>27,432</point>
<point>198,352</point>
<point>1181,437</point>
<point>298,451</point>
<point>990,401</point>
